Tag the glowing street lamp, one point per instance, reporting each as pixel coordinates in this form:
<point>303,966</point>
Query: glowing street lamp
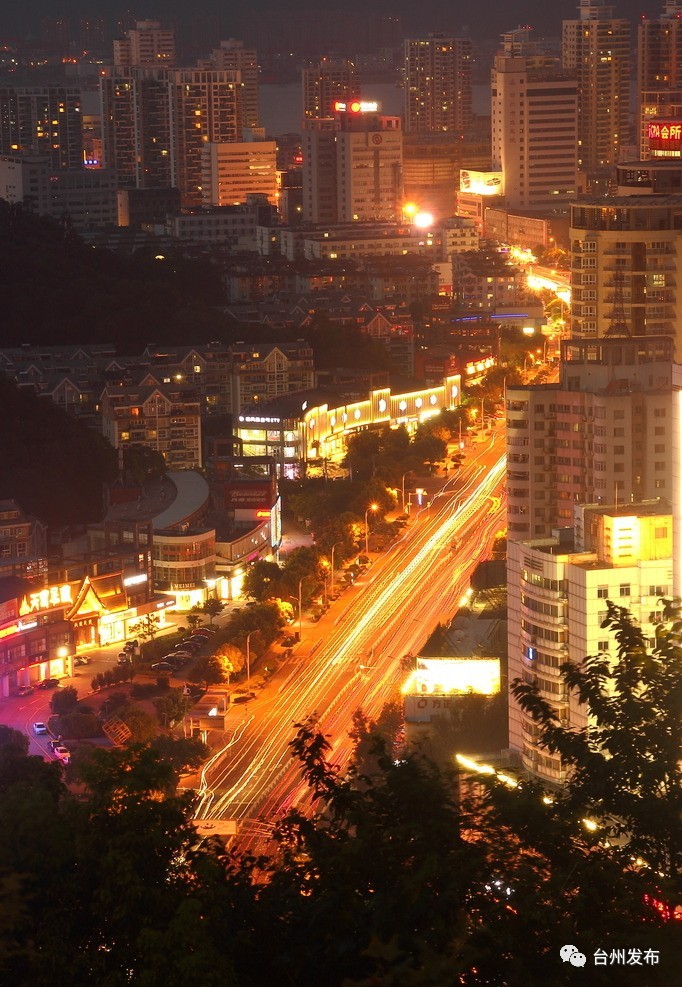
<point>372,507</point>
<point>423,220</point>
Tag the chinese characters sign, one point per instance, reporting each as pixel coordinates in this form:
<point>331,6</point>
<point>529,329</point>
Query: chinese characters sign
<point>46,599</point>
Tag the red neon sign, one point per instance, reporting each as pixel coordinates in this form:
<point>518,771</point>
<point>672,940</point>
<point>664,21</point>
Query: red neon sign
<point>665,130</point>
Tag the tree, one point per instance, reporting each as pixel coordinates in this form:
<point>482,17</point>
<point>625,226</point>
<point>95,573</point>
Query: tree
<point>213,608</point>
<point>262,580</point>
<point>172,706</point>
<point>142,724</point>
<point>183,753</point>
<point>627,764</point>
<point>146,628</point>
<point>143,463</point>
<point>64,700</point>
<point>193,617</point>
<point>230,660</point>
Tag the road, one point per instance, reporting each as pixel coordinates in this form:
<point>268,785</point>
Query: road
<point>351,659</point>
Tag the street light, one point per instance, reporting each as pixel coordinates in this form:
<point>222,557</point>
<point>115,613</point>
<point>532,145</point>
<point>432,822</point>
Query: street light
<point>248,661</point>
<point>333,547</point>
<point>409,472</point>
<point>372,507</point>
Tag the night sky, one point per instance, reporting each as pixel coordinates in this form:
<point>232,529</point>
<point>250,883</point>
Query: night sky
<point>485,19</point>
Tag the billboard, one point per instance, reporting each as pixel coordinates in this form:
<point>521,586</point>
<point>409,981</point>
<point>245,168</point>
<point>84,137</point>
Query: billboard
<point>665,137</point>
<point>249,495</point>
<point>481,182</point>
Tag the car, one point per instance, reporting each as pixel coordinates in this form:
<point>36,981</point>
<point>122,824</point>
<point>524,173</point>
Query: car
<point>131,645</point>
<point>193,642</point>
<point>123,654</point>
<point>244,698</point>
<point>124,659</point>
<point>178,654</point>
<point>62,753</point>
<point>39,728</point>
<point>162,666</point>
<point>82,660</point>
<point>49,684</point>
<point>54,744</point>
<point>202,633</point>
<point>24,690</point>
<point>289,642</point>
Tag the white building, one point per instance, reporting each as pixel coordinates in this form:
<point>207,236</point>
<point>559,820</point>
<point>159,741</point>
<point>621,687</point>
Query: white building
<point>558,589</point>
<point>232,171</point>
<point>146,44</point>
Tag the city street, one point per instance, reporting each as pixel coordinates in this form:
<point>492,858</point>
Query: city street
<point>350,659</point>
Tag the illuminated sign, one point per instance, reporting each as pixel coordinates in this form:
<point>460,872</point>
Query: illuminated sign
<point>481,182</point>
<point>664,130</point>
<point>45,599</point>
<point>141,577</point>
<point>355,106</point>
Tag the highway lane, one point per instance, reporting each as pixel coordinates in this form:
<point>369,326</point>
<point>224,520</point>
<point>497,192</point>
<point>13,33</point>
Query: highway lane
<point>410,587</point>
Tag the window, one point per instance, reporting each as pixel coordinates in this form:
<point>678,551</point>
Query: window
<point>603,645</point>
<point>660,532</point>
<point>602,592</point>
<point>624,589</point>
<point>659,430</point>
<point>619,433</point>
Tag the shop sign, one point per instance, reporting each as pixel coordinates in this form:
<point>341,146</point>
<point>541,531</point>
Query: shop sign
<point>46,599</point>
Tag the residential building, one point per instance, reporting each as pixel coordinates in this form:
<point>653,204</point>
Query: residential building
<point>534,126</point>
<point>485,281</point>
<point>602,433</point>
<point>233,171</point>
<point>235,56</point>
<point>437,84</point>
<point>325,83</point>
<point>23,542</point>
<point>42,120</point>
<point>352,167</point>
<point>164,417</point>
<point>155,123</point>
<point>147,44</point>
<point>558,587</point>
<point>596,48</point>
<point>626,262</point>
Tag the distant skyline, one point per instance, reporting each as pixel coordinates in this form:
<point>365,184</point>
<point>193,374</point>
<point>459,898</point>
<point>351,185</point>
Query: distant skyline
<point>487,19</point>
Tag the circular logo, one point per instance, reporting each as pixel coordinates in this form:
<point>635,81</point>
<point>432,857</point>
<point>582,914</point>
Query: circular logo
<point>376,138</point>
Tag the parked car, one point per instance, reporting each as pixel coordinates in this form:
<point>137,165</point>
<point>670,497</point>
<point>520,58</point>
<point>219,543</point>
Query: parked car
<point>54,744</point>
<point>49,684</point>
<point>244,698</point>
<point>82,660</point>
<point>124,658</point>
<point>131,645</point>
<point>62,754</point>
<point>24,690</point>
<point>180,653</point>
<point>162,666</point>
<point>203,630</point>
<point>289,642</point>
<point>39,728</point>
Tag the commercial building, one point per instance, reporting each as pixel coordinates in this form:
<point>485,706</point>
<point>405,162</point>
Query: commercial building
<point>233,171</point>
<point>43,120</point>
<point>314,425</point>
<point>602,433</point>
<point>558,588</point>
<point>626,262</point>
<point>167,418</point>
<point>596,48</point>
<point>147,44</point>
<point>325,83</point>
<point>659,68</point>
<point>437,84</point>
<point>534,126</point>
<point>352,166</point>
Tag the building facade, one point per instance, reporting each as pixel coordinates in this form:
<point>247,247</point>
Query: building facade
<point>325,83</point>
<point>558,588</point>
<point>437,84</point>
<point>235,56</point>
<point>147,44</point>
<point>233,171</point>
<point>43,120</point>
<point>602,433</point>
<point>165,418</point>
<point>534,126</point>
<point>596,49</point>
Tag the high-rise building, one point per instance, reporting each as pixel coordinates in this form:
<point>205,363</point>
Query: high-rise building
<point>155,123</point>
<point>534,125</point>
<point>147,44</point>
<point>437,84</point>
<point>233,171</point>
<point>626,264</point>
<point>234,56</point>
<point>601,434</point>
<point>324,84</point>
<point>352,166</point>
<point>659,74</point>
<point>596,47</point>
<point>558,589</point>
<point>43,120</point>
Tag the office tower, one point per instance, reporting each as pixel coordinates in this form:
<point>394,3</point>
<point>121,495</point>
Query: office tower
<point>596,47</point>
<point>147,44</point>
<point>42,120</point>
<point>601,434</point>
<point>234,56</point>
<point>437,84</point>
<point>155,123</point>
<point>352,167</point>
<point>324,84</point>
<point>534,125</point>
<point>626,265</point>
<point>233,171</point>
<point>558,589</point>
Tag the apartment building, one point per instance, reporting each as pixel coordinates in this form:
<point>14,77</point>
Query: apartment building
<point>558,588</point>
<point>42,120</point>
<point>437,84</point>
<point>146,44</point>
<point>163,417</point>
<point>325,83</point>
<point>603,433</point>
